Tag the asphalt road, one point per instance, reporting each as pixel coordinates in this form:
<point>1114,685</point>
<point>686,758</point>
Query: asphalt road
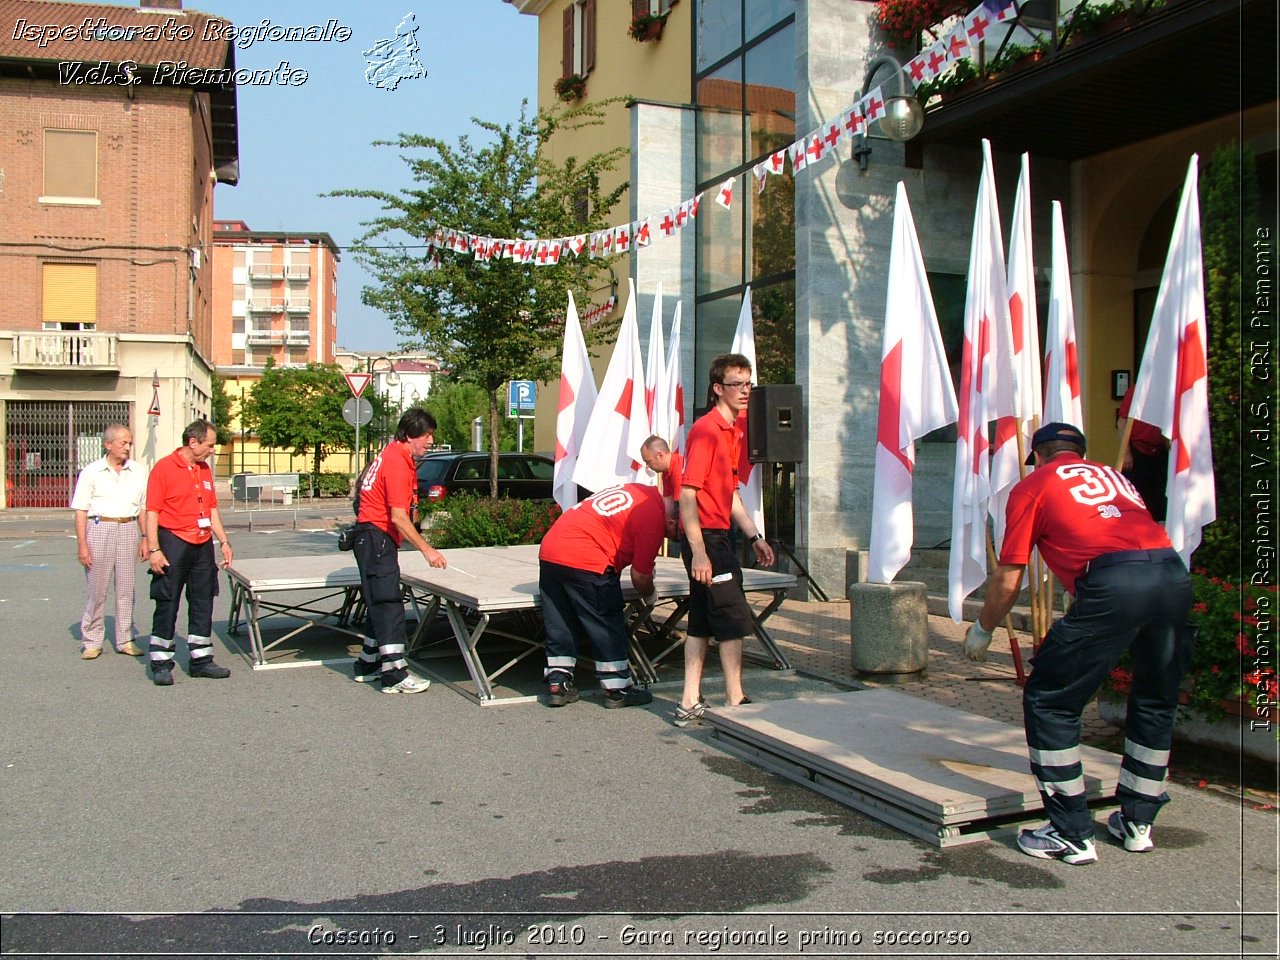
<point>295,813</point>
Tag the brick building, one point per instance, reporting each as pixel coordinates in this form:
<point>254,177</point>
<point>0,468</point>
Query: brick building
<point>106,225</point>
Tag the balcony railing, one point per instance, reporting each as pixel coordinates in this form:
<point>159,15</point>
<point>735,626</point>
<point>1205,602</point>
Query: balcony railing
<point>266,272</point>
<point>264,306</point>
<point>70,350</point>
<point>298,273</point>
<point>298,337</point>
<point>265,336</point>
<point>297,306</point>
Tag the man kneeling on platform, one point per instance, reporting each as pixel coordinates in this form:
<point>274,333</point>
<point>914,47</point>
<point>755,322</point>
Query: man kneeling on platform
<point>579,575</point>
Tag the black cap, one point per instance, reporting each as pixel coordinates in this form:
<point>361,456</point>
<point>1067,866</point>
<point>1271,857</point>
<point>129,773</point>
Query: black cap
<point>1055,431</point>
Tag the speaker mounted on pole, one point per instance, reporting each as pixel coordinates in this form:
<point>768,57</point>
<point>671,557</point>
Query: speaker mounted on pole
<point>775,424</point>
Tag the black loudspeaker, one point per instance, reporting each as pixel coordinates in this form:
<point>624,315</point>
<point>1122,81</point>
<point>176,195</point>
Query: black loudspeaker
<point>775,424</point>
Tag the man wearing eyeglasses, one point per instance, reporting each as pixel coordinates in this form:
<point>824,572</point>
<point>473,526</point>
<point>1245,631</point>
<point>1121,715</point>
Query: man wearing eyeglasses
<point>709,503</point>
<point>182,523</point>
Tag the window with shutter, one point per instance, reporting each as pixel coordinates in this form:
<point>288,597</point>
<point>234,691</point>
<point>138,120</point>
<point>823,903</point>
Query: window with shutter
<point>588,36</point>
<point>70,300</point>
<point>640,8</point>
<point>70,165</point>
<point>566,60</point>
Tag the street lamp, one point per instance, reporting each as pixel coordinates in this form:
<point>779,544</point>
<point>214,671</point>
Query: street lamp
<point>903,116</point>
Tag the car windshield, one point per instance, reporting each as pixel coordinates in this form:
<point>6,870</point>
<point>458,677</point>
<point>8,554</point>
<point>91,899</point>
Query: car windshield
<point>432,469</point>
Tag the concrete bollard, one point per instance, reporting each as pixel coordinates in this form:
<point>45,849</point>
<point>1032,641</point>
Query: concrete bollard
<point>888,628</point>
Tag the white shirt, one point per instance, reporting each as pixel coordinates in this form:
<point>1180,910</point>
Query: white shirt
<point>104,492</point>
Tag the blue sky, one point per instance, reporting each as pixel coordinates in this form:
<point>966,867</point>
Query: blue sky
<point>297,142</point>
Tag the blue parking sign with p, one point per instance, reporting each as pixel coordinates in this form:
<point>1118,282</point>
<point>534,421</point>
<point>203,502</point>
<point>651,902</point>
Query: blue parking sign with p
<point>522,397</point>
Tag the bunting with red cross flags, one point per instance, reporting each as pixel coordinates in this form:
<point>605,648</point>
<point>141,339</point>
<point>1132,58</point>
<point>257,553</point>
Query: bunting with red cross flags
<point>724,196</point>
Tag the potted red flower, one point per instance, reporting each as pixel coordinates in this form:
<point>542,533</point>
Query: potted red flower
<point>647,26</point>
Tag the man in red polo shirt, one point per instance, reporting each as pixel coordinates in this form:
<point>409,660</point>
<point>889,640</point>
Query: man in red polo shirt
<point>668,464</point>
<point>1132,592</point>
<point>709,503</point>
<point>388,505</point>
<point>580,565</point>
<point>182,522</point>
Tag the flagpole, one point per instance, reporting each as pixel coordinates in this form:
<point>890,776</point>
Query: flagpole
<point>1015,647</point>
<point>1124,442</point>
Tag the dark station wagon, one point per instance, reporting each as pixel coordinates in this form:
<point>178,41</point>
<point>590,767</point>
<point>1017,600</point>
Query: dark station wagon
<point>521,476</point>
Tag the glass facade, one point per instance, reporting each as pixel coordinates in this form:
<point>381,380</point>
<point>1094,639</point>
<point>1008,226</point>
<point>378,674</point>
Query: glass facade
<point>744,91</point>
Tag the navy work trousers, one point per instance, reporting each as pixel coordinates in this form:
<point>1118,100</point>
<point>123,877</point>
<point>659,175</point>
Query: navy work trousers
<point>1138,601</point>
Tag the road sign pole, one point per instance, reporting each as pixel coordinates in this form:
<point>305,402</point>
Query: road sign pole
<point>520,435</point>
<point>357,476</point>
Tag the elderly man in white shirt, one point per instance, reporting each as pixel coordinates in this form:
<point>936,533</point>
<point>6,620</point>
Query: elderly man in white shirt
<point>110,538</point>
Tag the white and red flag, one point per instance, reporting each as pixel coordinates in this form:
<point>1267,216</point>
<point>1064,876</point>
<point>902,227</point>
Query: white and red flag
<point>1024,363</point>
<point>916,396</point>
<point>618,425</point>
<point>1172,389</point>
<point>657,400</point>
<point>1061,373</point>
<point>750,487</point>
<point>986,314</point>
<point>675,387</point>
<point>577,399</point>
<point>797,154</point>
<point>724,196</point>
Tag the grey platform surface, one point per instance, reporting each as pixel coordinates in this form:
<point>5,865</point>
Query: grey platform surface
<point>933,771</point>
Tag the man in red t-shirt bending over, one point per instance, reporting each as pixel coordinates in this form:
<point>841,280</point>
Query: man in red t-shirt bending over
<point>580,567</point>
<point>1132,592</point>
<point>709,503</point>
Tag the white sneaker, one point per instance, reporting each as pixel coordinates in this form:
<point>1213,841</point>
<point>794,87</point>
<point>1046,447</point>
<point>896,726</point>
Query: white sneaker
<point>1047,844</point>
<point>1135,836</point>
<point>408,685</point>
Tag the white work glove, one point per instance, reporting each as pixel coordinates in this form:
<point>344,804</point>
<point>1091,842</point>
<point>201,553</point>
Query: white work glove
<point>650,601</point>
<point>976,642</point>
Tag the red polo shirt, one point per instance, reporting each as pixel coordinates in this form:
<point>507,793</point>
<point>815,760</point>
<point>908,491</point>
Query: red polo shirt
<point>391,481</point>
<point>1075,510</point>
<point>616,527</point>
<point>711,468</point>
<point>181,493</point>
<point>1143,437</point>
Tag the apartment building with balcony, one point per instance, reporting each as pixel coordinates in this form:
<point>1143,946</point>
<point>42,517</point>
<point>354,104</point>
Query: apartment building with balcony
<point>1110,117</point>
<point>106,221</point>
<point>275,295</point>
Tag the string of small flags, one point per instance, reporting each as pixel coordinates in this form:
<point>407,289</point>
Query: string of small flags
<point>936,59</point>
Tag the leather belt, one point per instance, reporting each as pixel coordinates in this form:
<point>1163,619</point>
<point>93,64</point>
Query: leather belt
<point>115,519</point>
<point>1131,556</point>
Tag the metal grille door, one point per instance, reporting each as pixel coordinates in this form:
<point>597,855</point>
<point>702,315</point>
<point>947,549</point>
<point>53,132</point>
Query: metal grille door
<point>47,443</point>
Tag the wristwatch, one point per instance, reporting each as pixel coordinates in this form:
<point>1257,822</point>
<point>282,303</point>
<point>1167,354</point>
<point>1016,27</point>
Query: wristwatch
<point>757,538</point>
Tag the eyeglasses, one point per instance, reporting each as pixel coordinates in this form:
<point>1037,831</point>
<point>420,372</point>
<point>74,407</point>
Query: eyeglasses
<point>737,384</point>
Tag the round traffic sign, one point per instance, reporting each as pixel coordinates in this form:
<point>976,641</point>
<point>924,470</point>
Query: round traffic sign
<point>357,411</point>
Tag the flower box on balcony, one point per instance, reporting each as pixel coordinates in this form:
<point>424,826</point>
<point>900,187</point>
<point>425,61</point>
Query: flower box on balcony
<point>571,87</point>
<point>647,27</point>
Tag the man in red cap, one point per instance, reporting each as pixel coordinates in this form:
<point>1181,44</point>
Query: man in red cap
<point>1132,592</point>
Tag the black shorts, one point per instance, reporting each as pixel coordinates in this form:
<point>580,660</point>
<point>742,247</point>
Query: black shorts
<point>721,610</point>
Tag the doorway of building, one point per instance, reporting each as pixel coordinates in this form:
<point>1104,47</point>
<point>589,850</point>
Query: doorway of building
<point>48,443</point>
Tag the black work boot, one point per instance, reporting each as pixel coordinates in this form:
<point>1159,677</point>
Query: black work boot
<point>210,670</point>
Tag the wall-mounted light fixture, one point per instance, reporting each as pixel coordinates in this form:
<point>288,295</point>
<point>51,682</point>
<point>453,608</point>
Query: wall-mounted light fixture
<point>903,115</point>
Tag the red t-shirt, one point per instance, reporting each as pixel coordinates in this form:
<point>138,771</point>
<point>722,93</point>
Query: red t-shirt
<point>181,494</point>
<point>1144,438</point>
<point>671,479</point>
<point>391,481</point>
<point>1075,510</point>
<point>711,468</point>
<point>616,527</point>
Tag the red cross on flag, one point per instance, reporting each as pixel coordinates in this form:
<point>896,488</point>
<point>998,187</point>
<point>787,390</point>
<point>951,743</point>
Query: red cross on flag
<point>916,396</point>
<point>667,224</point>
<point>641,237</point>
<point>692,205</point>
<point>618,425</point>
<point>577,400</point>
<point>1172,388</point>
<point>761,173</point>
<point>724,196</point>
<point>975,26</point>
<point>916,67</point>
<point>832,136</point>
<point>957,44</point>
<point>986,310</point>
<point>937,59</point>
<point>577,244</point>
<point>854,121</point>
<point>675,389</point>
<point>777,161</point>
<point>622,238</point>
<point>816,148</point>
<point>797,154</point>
<point>1061,372</point>
<point>875,105</point>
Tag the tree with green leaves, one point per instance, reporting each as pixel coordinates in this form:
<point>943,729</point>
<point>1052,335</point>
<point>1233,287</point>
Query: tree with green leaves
<point>455,405</point>
<point>301,408</point>
<point>220,403</point>
<point>493,320</point>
